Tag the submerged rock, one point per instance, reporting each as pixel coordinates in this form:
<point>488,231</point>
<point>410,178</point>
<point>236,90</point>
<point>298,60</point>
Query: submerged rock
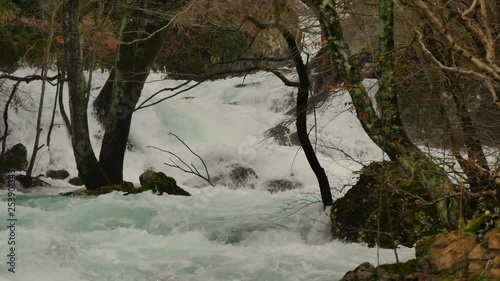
<point>280,185</point>
<point>57,174</point>
<point>280,134</point>
<point>237,176</point>
<point>161,183</point>
<point>15,158</point>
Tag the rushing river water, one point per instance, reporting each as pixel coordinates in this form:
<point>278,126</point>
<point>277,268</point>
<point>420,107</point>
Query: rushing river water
<point>216,234</point>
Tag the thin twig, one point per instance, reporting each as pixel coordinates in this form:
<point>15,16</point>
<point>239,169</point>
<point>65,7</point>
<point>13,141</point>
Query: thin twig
<point>190,169</point>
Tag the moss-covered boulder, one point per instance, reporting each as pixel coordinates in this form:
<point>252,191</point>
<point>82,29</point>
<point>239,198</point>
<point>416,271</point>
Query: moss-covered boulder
<point>75,181</point>
<point>57,174</point>
<point>160,183</point>
<point>280,185</point>
<point>15,158</point>
<point>385,207</point>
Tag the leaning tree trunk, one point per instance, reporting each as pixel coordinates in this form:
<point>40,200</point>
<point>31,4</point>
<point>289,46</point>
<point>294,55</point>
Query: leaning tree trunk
<point>387,131</point>
<point>301,122</point>
<point>88,167</point>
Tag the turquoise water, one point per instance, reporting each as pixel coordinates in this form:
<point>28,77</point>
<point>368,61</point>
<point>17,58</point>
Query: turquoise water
<point>216,234</point>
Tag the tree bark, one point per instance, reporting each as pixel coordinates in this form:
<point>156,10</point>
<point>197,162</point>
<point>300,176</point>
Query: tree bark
<point>102,103</point>
<point>136,53</point>
<point>301,122</point>
<point>60,100</point>
<point>387,131</point>
<point>89,169</point>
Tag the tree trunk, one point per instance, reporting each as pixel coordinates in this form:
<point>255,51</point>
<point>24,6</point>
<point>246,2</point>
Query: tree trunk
<point>60,100</point>
<point>89,169</point>
<point>102,103</point>
<point>301,122</point>
<point>387,131</point>
<point>136,53</point>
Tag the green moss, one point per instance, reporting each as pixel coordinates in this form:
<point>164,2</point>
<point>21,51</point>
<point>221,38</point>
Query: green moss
<point>423,245</point>
<point>474,225</point>
<point>394,270</point>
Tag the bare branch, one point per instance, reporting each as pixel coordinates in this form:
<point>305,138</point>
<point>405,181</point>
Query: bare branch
<point>190,169</point>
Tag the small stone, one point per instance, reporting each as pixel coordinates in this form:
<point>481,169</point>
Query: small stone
<point>496,261</point>
<point>494,274</point>
<point>493,239</point>
<point>478,253</point>
<point>476,267</point>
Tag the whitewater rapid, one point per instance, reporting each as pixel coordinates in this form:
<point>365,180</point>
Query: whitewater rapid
<point>217,233</point>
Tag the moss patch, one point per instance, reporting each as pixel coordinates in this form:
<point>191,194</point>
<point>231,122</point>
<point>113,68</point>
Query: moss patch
<point>423,245</point>
<point>395,270</point>
<point>385,195</point>
<point>475,224</point>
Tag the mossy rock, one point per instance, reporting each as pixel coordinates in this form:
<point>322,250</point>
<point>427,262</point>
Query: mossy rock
<point>395,271</point>
<point>160,183</point>
<point>423,245</point>
<point>385,195</point>
<point>57,174</point>
<point>76,181</point>
<point>15,158</point>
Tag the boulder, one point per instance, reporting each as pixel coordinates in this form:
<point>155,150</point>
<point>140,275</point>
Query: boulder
<point>362,273</point>
<point>279,185</point>
<point>15,158</point>
<point>237,176</point>
<point>385,195</point>
<point>76,181</point>
<point>280,134</point>
<point>160,183</point>
<point>57,174</point>
<point>460,256</point>
<point>455,255</point>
